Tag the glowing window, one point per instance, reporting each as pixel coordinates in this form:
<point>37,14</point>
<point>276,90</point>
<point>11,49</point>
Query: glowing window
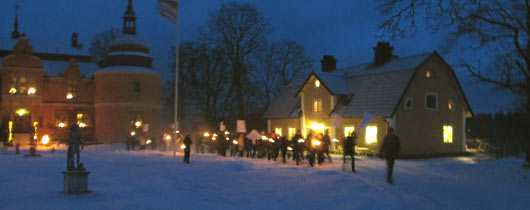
<point>22,80</point>
<point>317,127</point>
<point>408,103</point>
<point>61,119</point>
<point>348,130</point>
<point>13,79</point>
<point>32,91</point>
<point>12,90</point>
<point>431,101</point>
<point>292,132</point>
<point>448,134</point>
<point>317,83</point>
<point>371,134</point>
<point>428,74</point>
<point>71,92</point>
<point>82,120</point>
<point>22,89</point>
<point>317,105</point>
<point>278,131</point>
<point>451,105</point>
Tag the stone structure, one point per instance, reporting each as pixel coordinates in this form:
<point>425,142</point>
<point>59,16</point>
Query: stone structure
<point>75,176</point>
<point>106,103</point>
<point>419,96</point>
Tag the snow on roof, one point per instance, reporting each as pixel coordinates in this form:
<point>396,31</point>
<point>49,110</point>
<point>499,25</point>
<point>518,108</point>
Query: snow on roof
<point>129,53</point>
<point>334,82</point>
<point>128,68</point>
<point>395,64</point>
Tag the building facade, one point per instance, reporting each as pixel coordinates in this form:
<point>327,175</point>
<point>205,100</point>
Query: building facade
<point>122,96</point>
<point>419,96</point>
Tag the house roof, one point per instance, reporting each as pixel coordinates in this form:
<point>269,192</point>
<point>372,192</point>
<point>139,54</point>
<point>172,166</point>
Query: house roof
<point>369,88</point>
<point>56,68</point>
<point>286,104</point>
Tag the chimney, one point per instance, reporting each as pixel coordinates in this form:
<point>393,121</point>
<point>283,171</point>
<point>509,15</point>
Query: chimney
<point>74,40</point>
<point>382,53</point>
<point>329,63</point>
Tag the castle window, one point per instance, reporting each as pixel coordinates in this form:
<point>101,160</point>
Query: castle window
<point>61,119</point>
<point>408,103</point>
<point>71,92</point>
<point>136,86</point>
<point>82,119</point>
<point>22,80</point>
<point>317,105</point>
<point>451,105</point>
<point>448,134</point>
<point>431,101</point>
<point>32,91</point>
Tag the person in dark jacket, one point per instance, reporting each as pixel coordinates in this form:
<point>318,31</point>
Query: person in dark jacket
<point>284,143</point>
<point>349,149</point>
<point>327,144</point>
<point>298,150</point>
<point>187,150</point>
<point>389,150</point>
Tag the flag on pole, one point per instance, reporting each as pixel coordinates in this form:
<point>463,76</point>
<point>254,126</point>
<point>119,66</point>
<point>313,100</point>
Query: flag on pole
<point>168,9</point>
<point>367,117</point>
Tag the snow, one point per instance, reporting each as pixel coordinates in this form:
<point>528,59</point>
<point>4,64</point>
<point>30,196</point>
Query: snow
<point>156,180</point>
<point>128,68</point>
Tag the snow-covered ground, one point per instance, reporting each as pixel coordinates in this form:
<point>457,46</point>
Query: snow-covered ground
<point>154,180</point>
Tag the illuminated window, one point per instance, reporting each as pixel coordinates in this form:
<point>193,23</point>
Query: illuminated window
<point>317,105</point>
<point>32,91</point>
<point>22,89</point>
<point>292,132</point>
<point>278,131</point>
<point>448,134</point>
<point>408,103</point>
<point>12,90</point>
<point>431,101</point>
<point>71,92</point>
<point>317,83</point>
<point>82,120</point>
<point>451,105</point>
<point>136,120</point>
<point>61,119</point>
<point>13,79</point>
<point>136,86</point>
<point>371,134</point>
<point>317,127</point>
<point>22,80</point>
<point>348,130</point>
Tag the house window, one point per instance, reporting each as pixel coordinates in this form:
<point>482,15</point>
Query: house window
<point>451,105</point>
<point>317,105</point>
<point>431,101</point>
<point>371,134</point>
<point>292,132</point>
<point>61,119</point>
<point>448,134</point>
<point>317,83</point>
<point>136,86</point>
<point>278,131</point>
<point>348,130</point>
<point>82,119</point>
<point>408,103</point>
<point>71,92</point>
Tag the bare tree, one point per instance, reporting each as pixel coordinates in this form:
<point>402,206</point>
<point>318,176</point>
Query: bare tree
<point>237,30</point>
<point>500,26</point>
<point>100,43</point>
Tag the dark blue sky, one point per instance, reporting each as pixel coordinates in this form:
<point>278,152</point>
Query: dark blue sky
<point>345,29</point>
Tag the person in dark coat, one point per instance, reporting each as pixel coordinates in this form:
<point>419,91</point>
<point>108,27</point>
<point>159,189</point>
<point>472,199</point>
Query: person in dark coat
<point>389,150</point>
<point>327,143</point>
<point>284,143</point>
<point>187,150</point>
<point>298,150</point>
<point>349,149</point>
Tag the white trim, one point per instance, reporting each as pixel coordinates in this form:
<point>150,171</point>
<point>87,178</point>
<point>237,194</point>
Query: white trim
<point>436,104</point>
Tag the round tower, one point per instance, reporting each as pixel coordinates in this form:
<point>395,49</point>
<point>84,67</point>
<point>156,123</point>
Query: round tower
<point>128,93</point>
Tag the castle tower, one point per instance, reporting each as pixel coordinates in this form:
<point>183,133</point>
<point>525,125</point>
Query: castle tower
<point>128,93</point>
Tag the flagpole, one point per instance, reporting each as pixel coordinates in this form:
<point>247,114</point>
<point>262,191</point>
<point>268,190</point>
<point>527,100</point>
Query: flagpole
<point>176,85</point>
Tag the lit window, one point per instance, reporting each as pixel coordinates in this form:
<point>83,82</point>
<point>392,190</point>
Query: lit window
<point>408,103</point>
<point>71,92</point>
<point>22,80</point>
<point>317,83</point>
<point>278,131</point>
<point>431,100</point>
<point>317,127</point>
<point>292,132</point>
<point>451,105</point>
<point>22,89</point>
<point>32,91</point>
<point>61,119</point>
<point>348,130</point>
<point>12,90</point>
<point>371,134</point>
<point>21,112</point>
<point>13,79</point>
<point>448,134</point>
<point>82,120</point>
<point>428,74</point>
<point>317,105</point>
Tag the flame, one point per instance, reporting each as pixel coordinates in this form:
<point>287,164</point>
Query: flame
<point>290,148</point>
<point>133,133</point>
<point>206,134</point>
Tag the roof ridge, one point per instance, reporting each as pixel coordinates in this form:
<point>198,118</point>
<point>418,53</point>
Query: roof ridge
<point>394,58</point>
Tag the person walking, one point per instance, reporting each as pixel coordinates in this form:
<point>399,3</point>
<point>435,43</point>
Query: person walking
<point>389,150</point>
<point>327,143</point>
<point>349,149</point>
<point>298,143</point>
<point>187,150</point>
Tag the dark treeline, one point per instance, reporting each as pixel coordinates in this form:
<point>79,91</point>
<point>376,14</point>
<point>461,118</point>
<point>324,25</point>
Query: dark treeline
<point>232,70</point>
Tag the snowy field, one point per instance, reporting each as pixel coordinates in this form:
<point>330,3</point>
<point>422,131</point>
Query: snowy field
<point>154,180</point>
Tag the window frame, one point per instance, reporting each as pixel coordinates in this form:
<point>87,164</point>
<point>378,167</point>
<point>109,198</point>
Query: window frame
<point>436,102</point>
<point>318,106</point>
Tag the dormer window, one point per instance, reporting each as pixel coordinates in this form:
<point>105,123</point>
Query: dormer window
<point>317,83</point>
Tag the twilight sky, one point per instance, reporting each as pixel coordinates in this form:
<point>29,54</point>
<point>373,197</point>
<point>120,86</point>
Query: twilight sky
<point>343,28</point>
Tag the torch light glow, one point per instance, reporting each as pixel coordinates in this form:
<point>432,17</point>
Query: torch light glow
<point>61,125</point>
<point>264,138</point>
<point>335,140</point>
<point>82,125</point>
<point>182,146</point>
<point>301,140</point>
<point>21,112</point>
<point>215,135</point>
<point>206,134</point>
<point>138,123</point>
<point>234,142</point>
<point>69,96</point>
<point>290,148</point>
<point>133,133</point>
<point>148,141</point>
<point>315,142</point>
<point>168,137</point>
<point>271,140</point>
<point>213,138</point>
<point>226,132</point>
<point>45,139</point>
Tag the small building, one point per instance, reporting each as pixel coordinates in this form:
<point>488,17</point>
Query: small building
<point>44,93</point>
<point>419,96</point>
